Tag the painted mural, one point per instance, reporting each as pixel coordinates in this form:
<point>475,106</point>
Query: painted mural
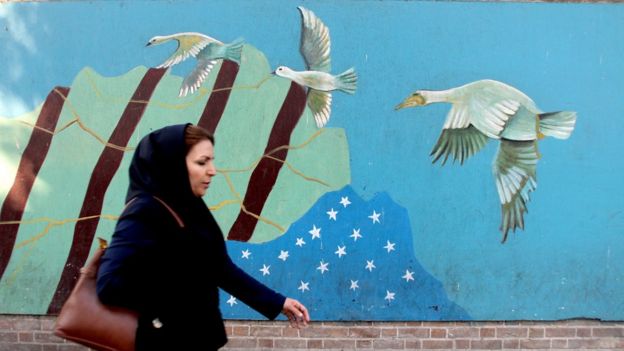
<point>325,191</point>
<point>490,109</point>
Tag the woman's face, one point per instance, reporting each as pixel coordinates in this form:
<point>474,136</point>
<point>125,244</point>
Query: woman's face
<point>200,165</point>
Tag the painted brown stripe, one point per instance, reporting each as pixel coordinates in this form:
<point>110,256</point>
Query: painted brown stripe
<point>101,177</point>
<point>265,174</point>
<point>218,99</point>
<point>32,159</point>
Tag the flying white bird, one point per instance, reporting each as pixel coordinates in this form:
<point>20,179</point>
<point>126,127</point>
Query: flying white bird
<point>205,49</point>
<point>488,109</point>
<point>315,47</point>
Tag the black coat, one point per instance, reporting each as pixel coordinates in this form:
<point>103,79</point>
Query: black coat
<point>171,274</point>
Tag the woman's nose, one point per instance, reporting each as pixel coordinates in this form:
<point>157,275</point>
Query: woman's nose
<point>212,170</point>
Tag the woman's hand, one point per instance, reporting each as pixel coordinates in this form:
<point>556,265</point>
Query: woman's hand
<point>296,313</point>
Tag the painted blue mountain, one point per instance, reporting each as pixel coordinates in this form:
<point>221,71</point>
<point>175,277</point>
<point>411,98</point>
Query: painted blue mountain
<point>346,259</point>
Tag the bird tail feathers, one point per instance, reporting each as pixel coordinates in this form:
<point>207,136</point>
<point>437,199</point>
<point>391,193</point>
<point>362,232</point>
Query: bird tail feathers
<point>557,124</point>
<point>347,81</point>
<point>234,50</point>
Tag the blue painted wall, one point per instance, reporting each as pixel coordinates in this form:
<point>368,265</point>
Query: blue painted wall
<point>566,263</point>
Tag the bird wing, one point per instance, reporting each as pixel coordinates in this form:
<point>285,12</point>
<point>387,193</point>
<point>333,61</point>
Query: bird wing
<point>485,109</point>
<point>188,45</point>
<point>320,104</point>
<point>460,143</point>
<point>315,43</point>
<point>195,79</point>
<point>514,173</point>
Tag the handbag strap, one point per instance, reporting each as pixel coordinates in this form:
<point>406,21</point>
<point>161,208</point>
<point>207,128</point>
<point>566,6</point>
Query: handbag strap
<point>90,269</point>
<point>173,213</point>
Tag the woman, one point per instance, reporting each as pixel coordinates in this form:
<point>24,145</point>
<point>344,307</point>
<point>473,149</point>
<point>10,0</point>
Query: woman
<point>169,269</point>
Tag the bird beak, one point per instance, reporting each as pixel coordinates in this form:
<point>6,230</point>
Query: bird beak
<point>411,101</point>
<point>148,43</point>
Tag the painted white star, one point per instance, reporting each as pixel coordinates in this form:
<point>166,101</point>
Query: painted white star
<point>322,267</point>
<point>344,201</point>
<point>232,301</point>
<point>408,275</point>
<point>300,242</point>
<point>370,265</point>
<point>341,251</point>
<point>316,232</point>
<point>283,255</point>
<point>332,214</point>
<point>354,285</point>
<point>375,217</point>
<point>304,286</point>
<point>246,254</point>
<point>356,234</point>
<point>389,295</point>
<point>265,269</point>
<point>389,246</point>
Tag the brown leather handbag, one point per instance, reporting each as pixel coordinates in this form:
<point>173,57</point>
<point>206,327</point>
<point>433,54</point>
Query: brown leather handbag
<point>85,320</point>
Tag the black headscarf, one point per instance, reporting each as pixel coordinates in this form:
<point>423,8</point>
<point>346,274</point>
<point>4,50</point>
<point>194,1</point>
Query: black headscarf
<point>159,169</point>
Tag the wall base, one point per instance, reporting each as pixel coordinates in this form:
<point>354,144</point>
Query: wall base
<point>33,333</point>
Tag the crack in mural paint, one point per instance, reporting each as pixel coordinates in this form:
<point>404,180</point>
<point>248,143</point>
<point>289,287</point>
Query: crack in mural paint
<point>197,97</point>
<point>31,162</point>
<point>271,152</point>
<point>269,155</point>
<point>121,100</point>
<point>265,174</point>
<point>78,120</point>
<point>29,244</point>
<point>52,223</point>
<point>244,209</point>
<point>213,111</point>
<point>103,172</point>
<point>238,200</point>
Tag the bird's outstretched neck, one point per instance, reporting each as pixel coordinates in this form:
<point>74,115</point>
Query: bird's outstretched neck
<point>160,39</point>
<point>432,96</point>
